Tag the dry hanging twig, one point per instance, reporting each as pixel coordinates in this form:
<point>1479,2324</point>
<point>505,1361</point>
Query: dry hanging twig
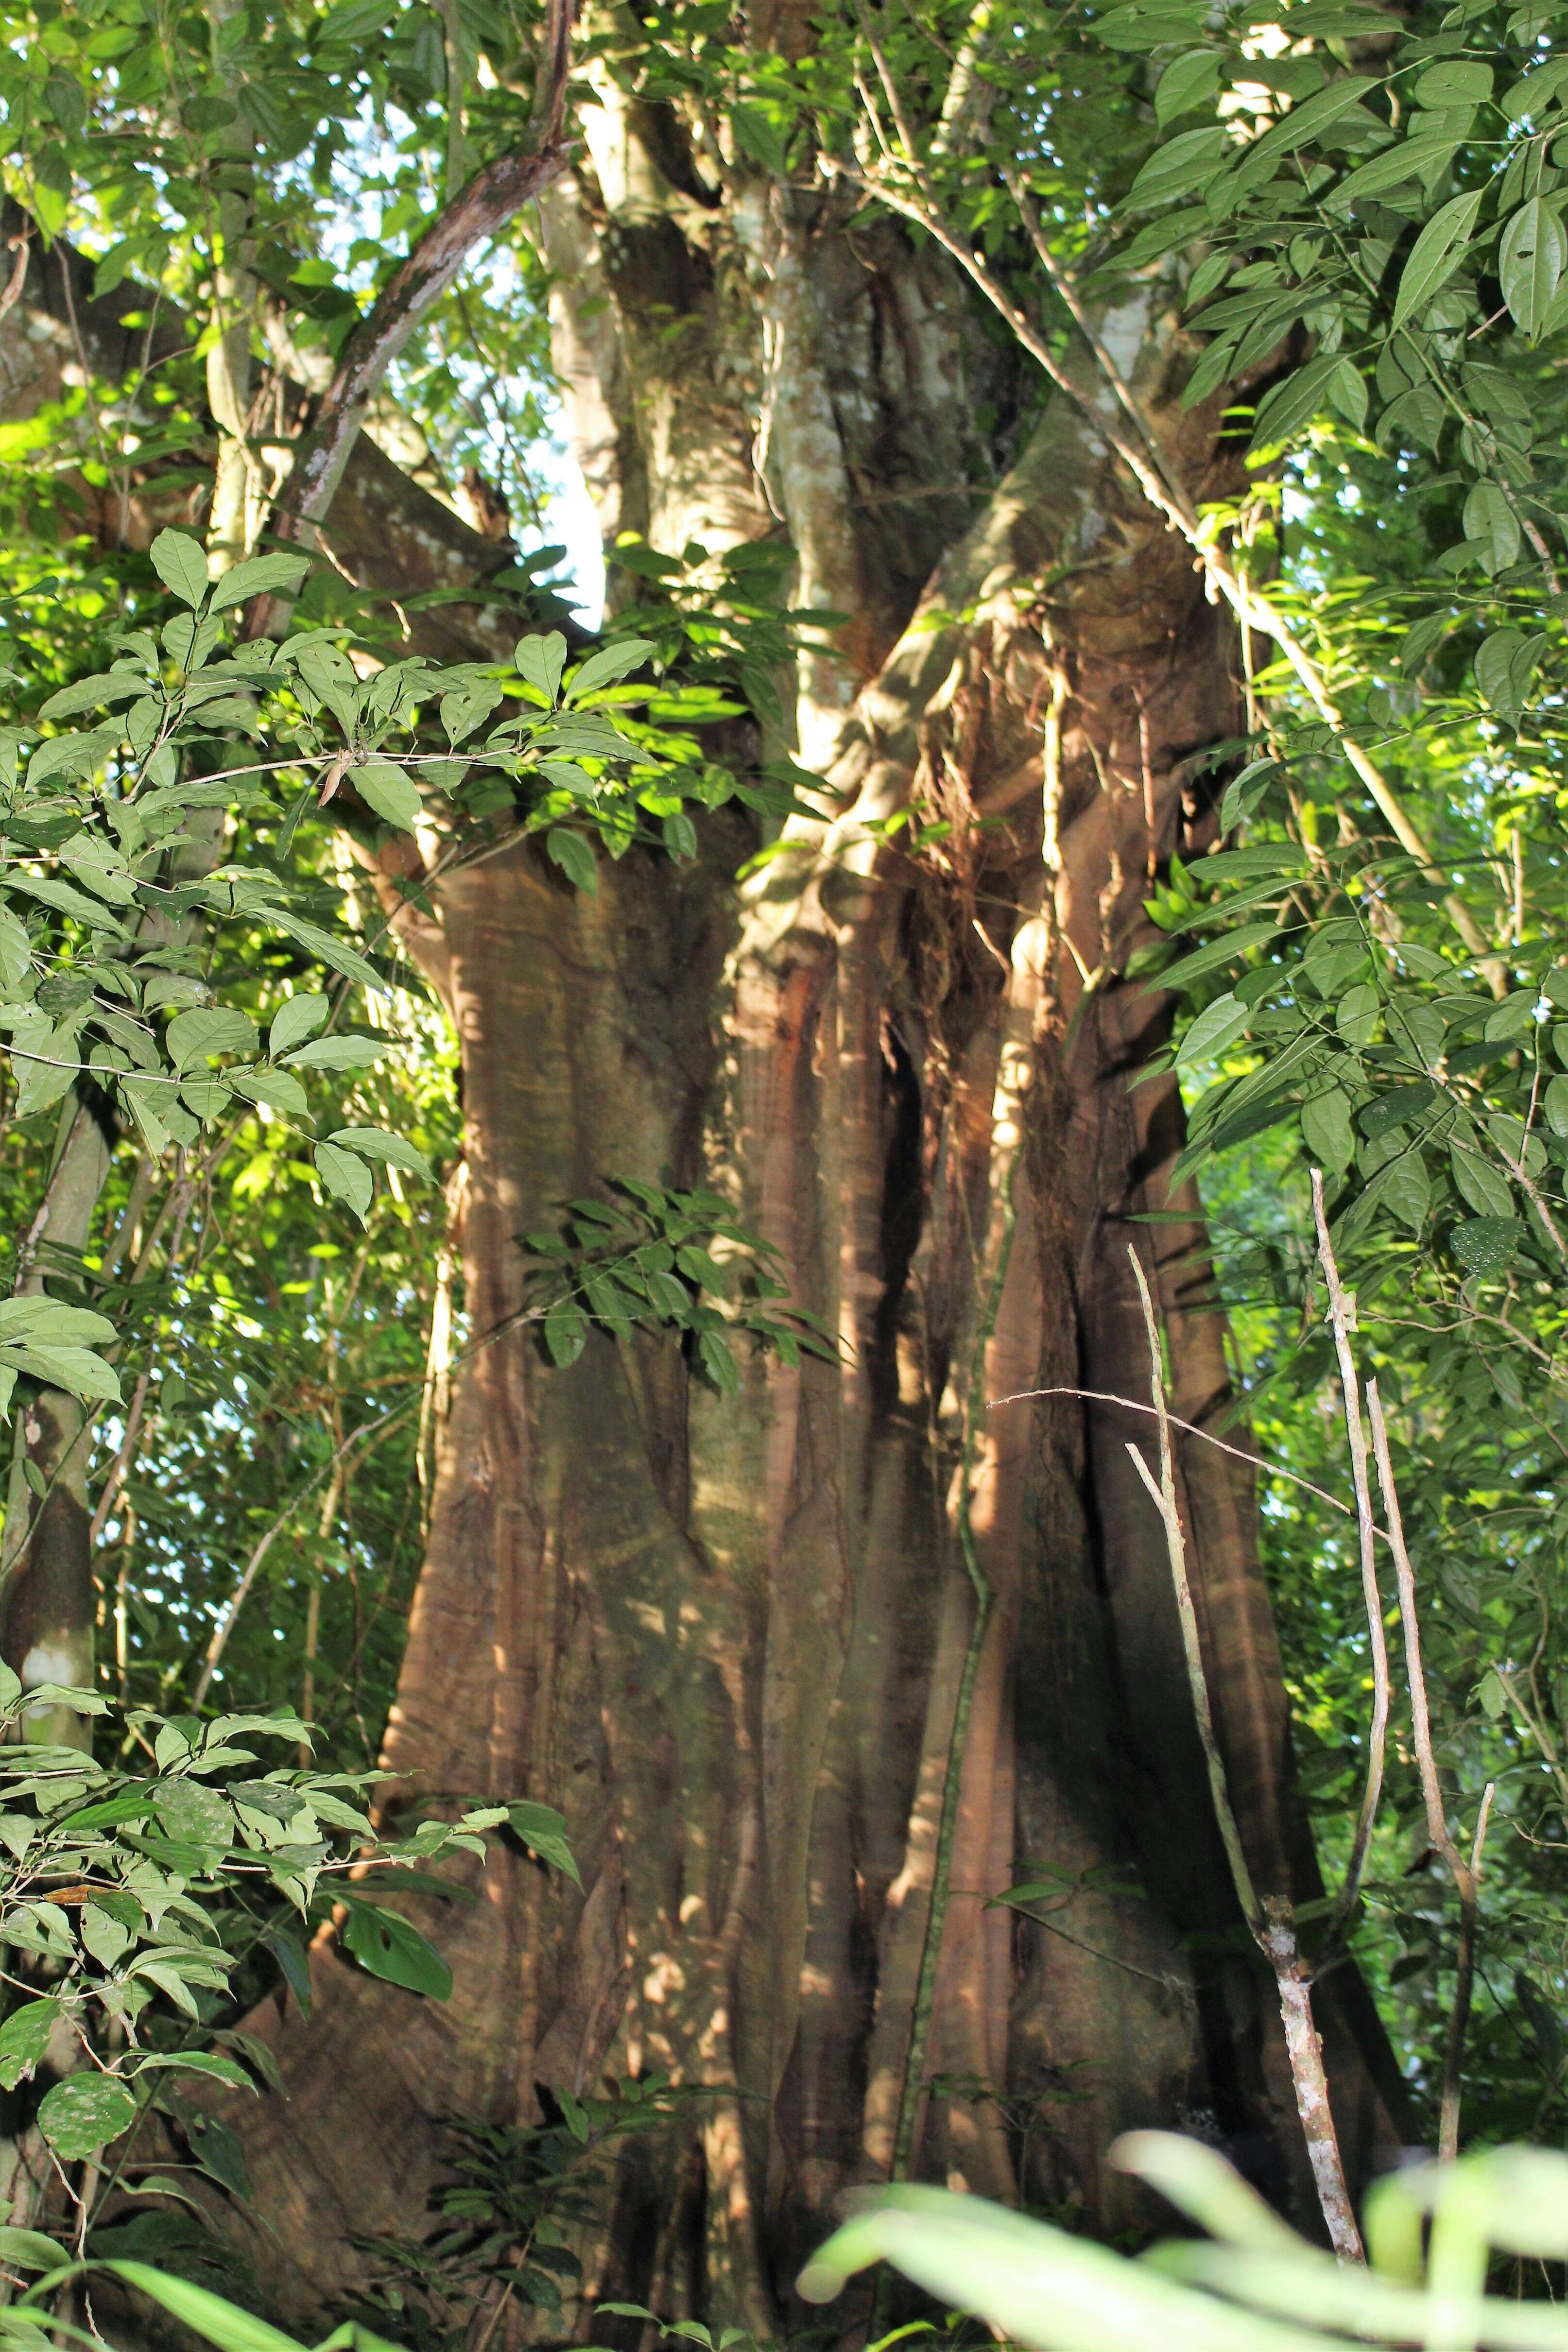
<point>1272,1919</point>
<point>1466,1875</point>
<point>1342,1320</point>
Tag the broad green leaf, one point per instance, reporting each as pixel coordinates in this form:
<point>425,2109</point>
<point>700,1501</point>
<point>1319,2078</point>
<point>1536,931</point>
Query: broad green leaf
<point>85,2112</point>
<point>541,661</point>
<point>294,1962</point>
<point>216,1029</point>
<point>298,1017</point>
<point>205,2314</point>
<point>1491,522</point>
<point>261,576</point>
<point>1454,82</point>
<point>1355,1015</point>
<point>1409,159</point>
<point>1327,1131</point>
<point>543,1832</point>
<point>575,857</point>
<point>1289,406</point>
<point>64,900</point>
<point>611,662</point>
<point>24,2038</point>
<point>384,1943</point>
<point>1199,2183</point>
<point>1407,1190</point>
<point>1504,665</point>
<point>1487,1246</point>
<point>1219,1025</point>
<point>339,1053</point>
<point>389,790</point>
<point>346,1176</point>
<point>1435,254</point>
<point>1530,263</point>
<point>29,2249</point>
<point>1186,81</point>
<point>1178,167</point>
<point>210,2063</point>
<point>181,564</point>
<point>334,952</point>
<point>565,1331</point>
<point>1219,952</point>
<point>277,1088</point>
<point>1554,1103</point>
<point>1309,120</point>
<point>375,1143</point>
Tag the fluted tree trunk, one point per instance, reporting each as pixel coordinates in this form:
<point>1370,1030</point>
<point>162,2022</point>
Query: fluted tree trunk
<point>815,1673</point>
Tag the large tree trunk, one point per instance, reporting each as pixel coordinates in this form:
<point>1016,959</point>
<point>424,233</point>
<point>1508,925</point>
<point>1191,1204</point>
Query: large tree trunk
<point>730,1640</point>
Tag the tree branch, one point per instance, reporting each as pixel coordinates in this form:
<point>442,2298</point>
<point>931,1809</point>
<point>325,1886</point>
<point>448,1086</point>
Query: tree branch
<point>492,197</point>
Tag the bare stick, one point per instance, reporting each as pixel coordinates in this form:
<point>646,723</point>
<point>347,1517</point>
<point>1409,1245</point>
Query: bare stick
<point>1190,1428</point>
<point>1466,1875</point>
<point>1343,1318</point>
<point>1272,1920</point>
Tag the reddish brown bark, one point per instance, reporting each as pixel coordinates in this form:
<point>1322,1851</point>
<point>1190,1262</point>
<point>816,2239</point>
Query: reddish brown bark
<point>727,1638</point>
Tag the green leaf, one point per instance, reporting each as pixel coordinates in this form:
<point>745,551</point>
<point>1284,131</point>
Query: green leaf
<point>29,2249</point>
<point>543,1832</point>
<point>217,2069</point>
<point>1491,522</point>
<point>85,2112</point>
<point>1436,253</point>
<point>346,1178</point>
<point>259,577</point>
<point>24,2038</point>
<point>293,1963</point>
<point>1554,1103</point>
<point>1407,1190</point>
<point>205,2314</point>
<point>1481,1184</point>
<point>389,790</point>
<point>1219,1025</point>
<point>339,1053</point>
<point>575,857</point>
<point>384,1943</point>
<point>181,564</point>
<point>1179,167</point>
<point>375,1143</point>
<point>1505,663</point>
<point>333,952</point>
<point>1454,82</point>
<point>1530,263</point>
<point>1202,960</point>
<point>541,661</point>
<point>1486,1245</point>
<point>679,834</point>
<point>1289,406</point>
<point>565,1331</point>
<point>215,1029</point>
<point>1355,1015</point>
<point>718,1363</point>
<point>276,1088</point>
<point>296,1018</point>
<point>611,662</point>
<point>1306,122</point>
<point>1327,1131</point>
<point>1186,82</point>
<point>1410,159</point>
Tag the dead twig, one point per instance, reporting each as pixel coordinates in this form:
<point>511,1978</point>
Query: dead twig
<point>1465,1875</point>
<point>1342,1321</point>
<point>1271,1919</point>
